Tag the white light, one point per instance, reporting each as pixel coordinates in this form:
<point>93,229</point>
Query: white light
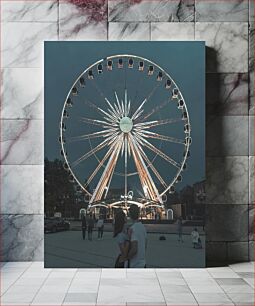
<point>126,124</point>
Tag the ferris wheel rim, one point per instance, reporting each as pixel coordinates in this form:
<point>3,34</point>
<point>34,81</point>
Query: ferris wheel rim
<point>187,146</point>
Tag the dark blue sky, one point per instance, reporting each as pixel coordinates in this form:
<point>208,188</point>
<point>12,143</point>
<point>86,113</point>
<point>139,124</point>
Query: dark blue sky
<point>184,61</point>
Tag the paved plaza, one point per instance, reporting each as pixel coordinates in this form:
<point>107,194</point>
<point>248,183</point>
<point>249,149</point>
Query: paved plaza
<point>67,249</point>
<point>27,283</point>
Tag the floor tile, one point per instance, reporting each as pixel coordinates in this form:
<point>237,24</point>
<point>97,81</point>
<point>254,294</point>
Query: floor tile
<point>81,298</point>
<point>180,299</point>
<point>213,299</point>
<point>242,299</point>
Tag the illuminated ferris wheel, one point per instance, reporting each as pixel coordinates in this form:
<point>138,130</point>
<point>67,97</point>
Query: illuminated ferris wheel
<point>125,123</point>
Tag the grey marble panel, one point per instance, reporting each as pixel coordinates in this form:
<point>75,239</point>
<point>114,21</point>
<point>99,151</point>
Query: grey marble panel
<point>238,251</point>
<point>251,68</point>
<point>172,31</point>
<point>23,43</point>
<point>128,31</point>
<point>227,135</point>
<point>21,93</point>
<point>213,10</point>
<point>227,43</point>
<point>153,10</point>
<point>251,10</point>
<point>216,252</point>
<point>21,142</point>
<point>251,180</point>
<point>251,250</point>
<point>227,94</point>
<point>22,237</point>
<point>227,180</point>
<point>251,222</point>
<point>22,189</point>
<point>82,20</point>
<point>227,223</point>
<point>251,135</point>
<point>23,10</point>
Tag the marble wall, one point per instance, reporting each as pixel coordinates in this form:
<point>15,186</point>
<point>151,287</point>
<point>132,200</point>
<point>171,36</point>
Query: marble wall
<point>228,29</point>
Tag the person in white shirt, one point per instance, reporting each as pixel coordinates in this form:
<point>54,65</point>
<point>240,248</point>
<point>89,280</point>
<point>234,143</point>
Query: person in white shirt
<point>138,239</point>
<point>195,238</point>
<point>100,228</point>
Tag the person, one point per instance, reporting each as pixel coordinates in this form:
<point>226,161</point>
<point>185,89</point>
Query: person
<point>91,223</point>
<point>138,239</point>
<point>179,228</point>
<point>83,226</point>
<point>121,236</point>
<point>100,227</point>
<point>195,238</point>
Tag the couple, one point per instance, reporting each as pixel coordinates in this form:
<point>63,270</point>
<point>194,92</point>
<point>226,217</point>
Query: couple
<point>132,241</point>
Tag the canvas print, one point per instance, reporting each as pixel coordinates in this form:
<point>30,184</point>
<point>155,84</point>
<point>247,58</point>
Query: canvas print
<point>124,154</point>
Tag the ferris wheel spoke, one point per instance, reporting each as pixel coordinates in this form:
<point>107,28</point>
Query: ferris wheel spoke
<point>147,183</point>
<point>106,177</point>
<point>155,110</point>
<point>148,134</point>
<point>99,134</point>
<point>150,164</point>
<point>149,124</point>
<point>101,123</point>
<point>99,166</point>
<point>137,113</point>
<point>99,147</point>
<point>147,144</point>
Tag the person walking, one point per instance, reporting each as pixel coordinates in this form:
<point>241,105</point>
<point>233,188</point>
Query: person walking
<point>100,228</point>
<point>138,239</point>
<point>91,223</point>
<point>179,229</point>
<point>83,226</point>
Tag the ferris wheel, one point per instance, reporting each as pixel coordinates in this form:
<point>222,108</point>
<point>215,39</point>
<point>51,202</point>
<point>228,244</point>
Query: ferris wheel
<point>125,126</point>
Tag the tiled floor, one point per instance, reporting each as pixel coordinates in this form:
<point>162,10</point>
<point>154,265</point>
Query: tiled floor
<point>28,283</point>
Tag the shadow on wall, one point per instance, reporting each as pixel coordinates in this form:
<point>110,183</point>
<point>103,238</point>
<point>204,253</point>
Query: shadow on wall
<point>216,251</point>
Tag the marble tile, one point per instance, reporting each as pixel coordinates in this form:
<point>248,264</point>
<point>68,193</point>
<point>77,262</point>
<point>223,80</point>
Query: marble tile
<point>23,43</point>
<point>251,68</point>
<point>87,298</point>
<point>22,142</point>
<point>180,299</point>
<point>251,10</point>
<point>172,31</point>
<point>213,299</point>
<point>21,192</point>
<point>227,136</point>
<point>251,222</point>
<point>238,251</point>
<point>19,294</point>
<point>227,180</point>
<point>22,237</point>
<point>153,10</point>
<point>234,10</point>
<point>251,180</point>
<point>242,267</point>
<point>128,31</point>
<point>227,94</point>
<point>251,135</point>
<point>22,10</point>
<point>227,223</point>
<point>222,273</point>
<point>44,298</point>
<point>82,20</point>
<point>241,299</point>
<point>227,42</point>
<point>251,253</point>
<point>22,93</point>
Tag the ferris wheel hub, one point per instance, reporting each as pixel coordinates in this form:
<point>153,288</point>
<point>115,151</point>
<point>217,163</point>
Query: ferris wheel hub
<point>126,124</point>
